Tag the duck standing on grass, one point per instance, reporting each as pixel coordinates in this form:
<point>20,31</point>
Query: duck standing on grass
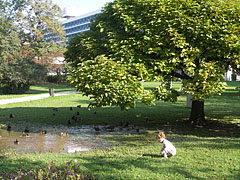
<point>168,149</point>
<point>26,130</point>
<point>9,127</point>
<point>96,128</point>
<point>43,132</point>
<point>24,134</point>
<point>16,142</point>
<point>62,134</point>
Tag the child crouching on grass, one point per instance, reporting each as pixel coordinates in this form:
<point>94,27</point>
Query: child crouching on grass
<point>168,149</point>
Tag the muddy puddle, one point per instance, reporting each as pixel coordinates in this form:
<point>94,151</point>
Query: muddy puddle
<point>78,138</point>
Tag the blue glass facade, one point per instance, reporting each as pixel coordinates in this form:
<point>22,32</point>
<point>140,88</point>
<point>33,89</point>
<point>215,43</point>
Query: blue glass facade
<point>75,25</point>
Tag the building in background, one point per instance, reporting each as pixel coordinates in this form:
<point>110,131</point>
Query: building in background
<point>74,25</point>
<point>231,76</point>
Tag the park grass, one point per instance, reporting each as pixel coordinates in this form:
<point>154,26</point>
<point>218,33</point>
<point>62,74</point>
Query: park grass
<point>137,157</point>
<point>210,152</point>
<point>38,89</point>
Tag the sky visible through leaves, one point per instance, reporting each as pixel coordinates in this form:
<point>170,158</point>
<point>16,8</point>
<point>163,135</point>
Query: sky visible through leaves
<point>81,6</point>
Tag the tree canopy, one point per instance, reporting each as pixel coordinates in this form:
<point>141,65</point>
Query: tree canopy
<point>34,21</point>
<point>25,25</point>
<point>195,41</point>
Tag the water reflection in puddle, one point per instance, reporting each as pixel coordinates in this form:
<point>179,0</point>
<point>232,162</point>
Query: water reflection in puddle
<point>82,138</point>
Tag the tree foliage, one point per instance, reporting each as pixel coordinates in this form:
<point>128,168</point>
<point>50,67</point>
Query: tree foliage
<point>36,20</point>
<point>25,25</point>
<point>14,80</point>
<point>193,40</point>
<point>9,40</point>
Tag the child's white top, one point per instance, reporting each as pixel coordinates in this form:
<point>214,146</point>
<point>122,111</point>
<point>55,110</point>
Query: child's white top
<point>168,147</point>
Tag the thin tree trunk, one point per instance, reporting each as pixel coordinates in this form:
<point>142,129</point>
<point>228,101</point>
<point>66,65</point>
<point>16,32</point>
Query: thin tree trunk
<point>197,113</point>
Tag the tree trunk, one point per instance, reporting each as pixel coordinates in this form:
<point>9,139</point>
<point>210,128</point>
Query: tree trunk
<point>197,113</point>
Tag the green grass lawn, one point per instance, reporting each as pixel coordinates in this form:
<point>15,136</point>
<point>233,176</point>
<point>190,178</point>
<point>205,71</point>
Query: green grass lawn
<point>210,152</point>
<point>38,89</point>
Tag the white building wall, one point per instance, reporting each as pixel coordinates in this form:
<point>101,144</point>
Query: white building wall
<point>228,75</point>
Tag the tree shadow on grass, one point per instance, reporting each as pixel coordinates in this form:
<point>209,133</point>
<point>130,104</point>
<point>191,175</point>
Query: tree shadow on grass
<point>212,128</point>
<point>152,155</point>
<point>149,165</point>
<point>9,168</point>
<point>158,117</point>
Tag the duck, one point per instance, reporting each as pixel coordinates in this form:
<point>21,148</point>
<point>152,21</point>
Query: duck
<point>9,127</point>
<point>26,130</point>
<point>16,141</point>
<point>96,128</point>
<point>126,124</point>
<point>105,124</point>
<point>24,135</point>
<point>77,113</point>
<point>77,119</point>
<point>55,109</point>
<point>110,128</point>
<point>12,116</point>
<point>74,118</point>
<point>79,106</point>
<point>43,132</point>
<point>62,134</point>
<point>71,108</point>
<point>69,121</point>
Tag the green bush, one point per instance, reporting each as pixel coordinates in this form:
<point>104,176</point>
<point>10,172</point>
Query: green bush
<point>17,76</point>
<point>16,86</point>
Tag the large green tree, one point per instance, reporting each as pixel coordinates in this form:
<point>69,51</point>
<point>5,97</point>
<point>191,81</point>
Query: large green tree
<point>9,40</point>
<point>194,40</point>
<point>30,30</point>
<point>38,25</point>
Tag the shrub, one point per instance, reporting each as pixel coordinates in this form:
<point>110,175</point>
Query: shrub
<point>17,76</point>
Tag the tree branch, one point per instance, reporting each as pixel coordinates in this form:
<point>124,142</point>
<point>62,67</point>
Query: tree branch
<point>181,75</point>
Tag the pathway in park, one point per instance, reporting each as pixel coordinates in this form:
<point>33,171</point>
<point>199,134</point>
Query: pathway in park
<point>34,97</point>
